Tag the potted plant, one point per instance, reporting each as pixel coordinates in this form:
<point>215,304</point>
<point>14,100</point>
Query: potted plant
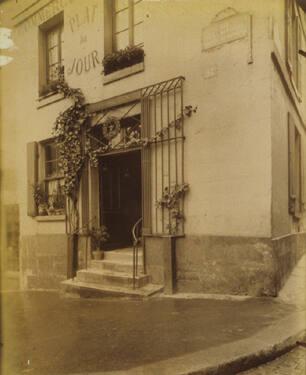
<point>40,199</point>
<point>99,236</point>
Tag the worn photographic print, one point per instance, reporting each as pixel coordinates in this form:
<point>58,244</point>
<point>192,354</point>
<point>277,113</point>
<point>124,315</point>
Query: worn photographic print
<point>153,187</point>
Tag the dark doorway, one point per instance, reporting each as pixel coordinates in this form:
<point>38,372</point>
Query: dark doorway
<point>120,196</point>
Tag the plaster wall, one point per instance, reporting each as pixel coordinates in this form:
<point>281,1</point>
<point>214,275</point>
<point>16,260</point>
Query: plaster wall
<point>282,221</point>
<point>227,141</point>
<point>282,103</point>
<point>228,151</point>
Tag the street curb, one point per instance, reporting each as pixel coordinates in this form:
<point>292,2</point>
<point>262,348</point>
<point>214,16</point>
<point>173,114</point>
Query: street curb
<point>234,357</point>
<point>250,361</point>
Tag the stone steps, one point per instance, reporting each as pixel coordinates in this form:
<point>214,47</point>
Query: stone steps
<point>114,265</point>
<point>112,276</point>
<point>124,255</point>
<point>74,287</point>
<point>107,277</point>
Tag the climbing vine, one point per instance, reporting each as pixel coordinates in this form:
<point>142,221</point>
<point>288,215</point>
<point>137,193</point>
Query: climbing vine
<point>171,200</point>
<point>74,138</point>
<point>68,132</point>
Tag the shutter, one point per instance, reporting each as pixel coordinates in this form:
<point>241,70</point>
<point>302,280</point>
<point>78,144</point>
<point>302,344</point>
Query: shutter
<point>289,14</point>
<point>298,173</point>
<point>291,162</point>
<point>32,176</point>
<point>299,57</point>
<point>303,175</point>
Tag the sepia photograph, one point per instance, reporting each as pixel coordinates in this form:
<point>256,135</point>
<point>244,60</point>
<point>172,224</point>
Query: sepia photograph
<point>152,187</point>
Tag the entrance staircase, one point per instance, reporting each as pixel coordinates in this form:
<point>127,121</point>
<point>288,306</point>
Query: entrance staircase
<point>112,276</point>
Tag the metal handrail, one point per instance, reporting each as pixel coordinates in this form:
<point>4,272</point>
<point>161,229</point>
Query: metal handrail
<point>136,241</point>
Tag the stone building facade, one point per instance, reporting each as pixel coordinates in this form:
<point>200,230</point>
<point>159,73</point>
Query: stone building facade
<point>198,128</point>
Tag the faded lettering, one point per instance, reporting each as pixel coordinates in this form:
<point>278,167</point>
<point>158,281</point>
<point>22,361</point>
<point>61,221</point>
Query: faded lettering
<point>81,19</point>
<point>84,64</point>
<point>44,14</point>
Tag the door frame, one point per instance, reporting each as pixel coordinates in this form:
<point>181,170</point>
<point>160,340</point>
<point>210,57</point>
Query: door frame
<point>118,153</point>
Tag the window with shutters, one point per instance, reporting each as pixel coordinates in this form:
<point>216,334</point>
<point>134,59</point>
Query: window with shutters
<point>294,43</point>
<point>295,169</point>
<point>53,177</point>
<point>51,62</point>
<point>45,191</point>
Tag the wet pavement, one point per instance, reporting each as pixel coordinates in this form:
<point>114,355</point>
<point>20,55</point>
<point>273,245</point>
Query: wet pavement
<point>291,363</point>
<point>46,334</point>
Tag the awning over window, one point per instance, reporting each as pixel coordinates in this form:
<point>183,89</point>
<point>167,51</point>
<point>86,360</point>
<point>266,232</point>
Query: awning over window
<point>120,112</point>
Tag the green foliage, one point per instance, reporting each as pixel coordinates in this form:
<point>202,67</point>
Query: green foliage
<point>99,236</point>
<point>170,200</point>
<point>123,58</point>
<point>67,129</point>
<point>52,86</point>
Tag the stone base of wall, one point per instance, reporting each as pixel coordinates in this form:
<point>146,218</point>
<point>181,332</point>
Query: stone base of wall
<point>43,261</point>
<point>227,265</point>
<point>203,264</point>
<point>287,251</point>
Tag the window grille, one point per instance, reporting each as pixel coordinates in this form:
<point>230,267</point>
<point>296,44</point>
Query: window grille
<point>163,160</point>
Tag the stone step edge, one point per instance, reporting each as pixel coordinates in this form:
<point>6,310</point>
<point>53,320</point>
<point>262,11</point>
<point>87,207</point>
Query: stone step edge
<point>103,264</point>
<point>119,256</point>
<point>105,272</point>
<point>113,261</point>
<point>77,286</point>
<point>125,250</point>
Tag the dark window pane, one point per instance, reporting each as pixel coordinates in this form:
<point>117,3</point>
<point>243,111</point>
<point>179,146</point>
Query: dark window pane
<point>51,170</point>
<point>50,152</point>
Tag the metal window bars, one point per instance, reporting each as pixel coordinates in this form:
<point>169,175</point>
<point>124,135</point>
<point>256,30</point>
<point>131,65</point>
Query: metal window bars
<point>163,164</point>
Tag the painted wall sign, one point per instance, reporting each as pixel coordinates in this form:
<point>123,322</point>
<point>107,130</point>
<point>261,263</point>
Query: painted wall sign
<point>44,14</point>
<point>80,19</point>
<point>84,64</point>
<point>225,31</point>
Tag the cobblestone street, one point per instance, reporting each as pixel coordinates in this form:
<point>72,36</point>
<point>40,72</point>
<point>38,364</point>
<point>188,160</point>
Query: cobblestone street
<point>291,363</point>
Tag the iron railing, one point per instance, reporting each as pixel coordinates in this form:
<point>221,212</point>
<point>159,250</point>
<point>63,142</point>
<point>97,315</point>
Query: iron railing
<point>136,233</point>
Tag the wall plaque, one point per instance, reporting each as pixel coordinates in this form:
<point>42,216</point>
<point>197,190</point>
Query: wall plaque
<point>225,31</point>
